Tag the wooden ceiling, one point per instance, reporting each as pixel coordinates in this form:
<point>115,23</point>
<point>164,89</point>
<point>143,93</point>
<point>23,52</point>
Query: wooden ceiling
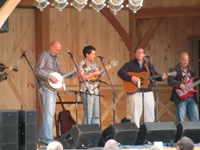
<point>146,12</point>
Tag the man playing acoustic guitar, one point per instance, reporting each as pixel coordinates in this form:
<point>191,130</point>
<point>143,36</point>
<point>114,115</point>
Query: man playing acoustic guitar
<point>141,99</point>
<point>183,94</point>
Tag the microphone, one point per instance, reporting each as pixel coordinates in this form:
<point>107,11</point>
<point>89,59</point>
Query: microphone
<point>101,57</point>
<point>22,55</point>
<point>69,52</point>
<point>147,56</point>
<point>103,82</point>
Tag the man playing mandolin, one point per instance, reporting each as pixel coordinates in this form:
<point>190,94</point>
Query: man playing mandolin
<point>183,94</point>
<point>89,72</point>
<point>141,100</point>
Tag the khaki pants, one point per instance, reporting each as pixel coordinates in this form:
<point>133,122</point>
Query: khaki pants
<point>136,107</point>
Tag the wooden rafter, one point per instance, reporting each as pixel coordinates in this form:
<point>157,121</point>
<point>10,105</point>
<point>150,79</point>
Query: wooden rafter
<point>168,12</point>
<point>150,32</point>
<point>7,9</point>
<point>115,23</point>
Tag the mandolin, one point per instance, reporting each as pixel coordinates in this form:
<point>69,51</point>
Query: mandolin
<point>110,65</point>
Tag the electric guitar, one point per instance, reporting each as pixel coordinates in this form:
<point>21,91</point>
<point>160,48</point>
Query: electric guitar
<point>110,65</point>
<point>60,83</point>
<point>130,87</point>
<point>189,88</point>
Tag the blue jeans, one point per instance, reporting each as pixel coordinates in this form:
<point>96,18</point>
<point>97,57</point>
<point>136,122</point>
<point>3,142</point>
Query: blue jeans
<point>187,107</point>
<point>49,104</point>
<point>91,109</point>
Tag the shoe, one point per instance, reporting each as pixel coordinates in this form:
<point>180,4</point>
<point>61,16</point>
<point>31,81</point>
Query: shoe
<point>42,143</point>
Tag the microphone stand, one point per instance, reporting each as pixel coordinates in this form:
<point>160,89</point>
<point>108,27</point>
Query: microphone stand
<point>87,90</point>
<point>37,83</point>
<point>156,89</point>
<point>113,91</point>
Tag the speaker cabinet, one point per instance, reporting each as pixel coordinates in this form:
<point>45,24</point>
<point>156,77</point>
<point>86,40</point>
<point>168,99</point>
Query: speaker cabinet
<point>9,129</point>
<point>189,129</point>
<point>27,129</point>
<point>156,131</point>
<point>123,133</point>
<point>81,136</point>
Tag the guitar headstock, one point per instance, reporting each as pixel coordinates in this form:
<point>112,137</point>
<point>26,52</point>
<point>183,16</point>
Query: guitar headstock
<point>173,73</point>
<point>114,63</point>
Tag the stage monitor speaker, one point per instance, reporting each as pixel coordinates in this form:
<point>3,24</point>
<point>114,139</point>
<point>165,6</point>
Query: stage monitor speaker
<point>156,131</point>
<point>4,27</point>
<point>190,129</point>
<point>123,133</point>
<point>9,129</point>
<point>27,129</point>
<point>81,136</point>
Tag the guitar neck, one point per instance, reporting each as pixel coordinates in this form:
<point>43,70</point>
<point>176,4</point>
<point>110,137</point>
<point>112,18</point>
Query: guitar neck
<point>152,77</point>
<point>194,84</point>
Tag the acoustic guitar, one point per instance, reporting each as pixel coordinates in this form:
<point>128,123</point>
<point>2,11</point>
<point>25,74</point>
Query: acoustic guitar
<point>130,87</point>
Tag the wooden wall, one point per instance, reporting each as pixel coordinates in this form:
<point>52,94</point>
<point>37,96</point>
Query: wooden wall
<point>18,92</point>
<point>34,30</point>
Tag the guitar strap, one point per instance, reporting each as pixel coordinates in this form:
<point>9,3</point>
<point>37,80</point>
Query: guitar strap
<point>147,67</point>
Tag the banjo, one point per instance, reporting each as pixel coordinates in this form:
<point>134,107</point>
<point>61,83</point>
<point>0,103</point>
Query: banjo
<point>61,82</point>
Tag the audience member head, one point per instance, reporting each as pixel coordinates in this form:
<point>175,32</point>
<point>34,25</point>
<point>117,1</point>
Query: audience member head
<point>185,143</point>
<point>111,145</point>
<point>155,148</point>
<point>55,145</point>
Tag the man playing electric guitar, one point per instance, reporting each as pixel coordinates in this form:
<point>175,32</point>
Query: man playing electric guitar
<point>136,100</point>
<point>185,98</point>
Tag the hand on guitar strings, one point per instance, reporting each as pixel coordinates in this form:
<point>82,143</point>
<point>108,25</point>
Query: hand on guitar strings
<point>164,76</point>
<point>135,79</point>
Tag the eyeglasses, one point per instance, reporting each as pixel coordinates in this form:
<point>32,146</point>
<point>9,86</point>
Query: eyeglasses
<point>140,52</point>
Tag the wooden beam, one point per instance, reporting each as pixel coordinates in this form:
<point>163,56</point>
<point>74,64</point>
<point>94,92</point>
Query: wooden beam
<point>7,9</point>
<point>168,12</point>
<point>115,23</point>
<point>26,3</point>
<point>150,32</point>
<point>133,33</point>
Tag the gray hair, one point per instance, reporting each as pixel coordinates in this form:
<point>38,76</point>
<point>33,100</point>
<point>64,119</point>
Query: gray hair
<point>55,145</point>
